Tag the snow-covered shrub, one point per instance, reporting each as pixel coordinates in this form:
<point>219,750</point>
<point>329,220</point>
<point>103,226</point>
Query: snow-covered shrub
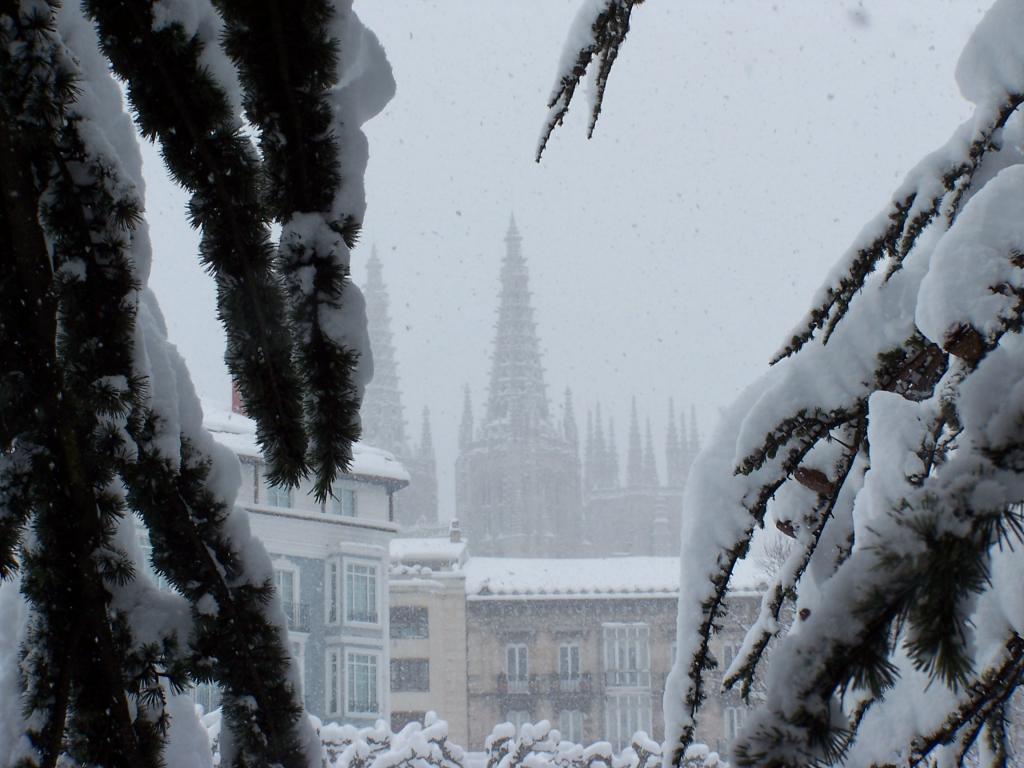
<point>538,745</point>
<point>417,745</point>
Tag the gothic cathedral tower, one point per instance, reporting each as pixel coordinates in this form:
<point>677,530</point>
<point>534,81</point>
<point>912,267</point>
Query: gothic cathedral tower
<point>383,416</point>
<point>517,475</point>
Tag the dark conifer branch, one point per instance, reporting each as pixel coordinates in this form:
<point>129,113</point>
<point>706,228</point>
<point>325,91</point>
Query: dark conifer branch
<point>178,102</point>
<point>288,61</point>
<point>786,580</point>
<point>192,551</point>
<point>608,31</point>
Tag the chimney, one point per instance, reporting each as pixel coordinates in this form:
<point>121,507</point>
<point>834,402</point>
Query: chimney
<point>237,406</point>
<point>454,531</point>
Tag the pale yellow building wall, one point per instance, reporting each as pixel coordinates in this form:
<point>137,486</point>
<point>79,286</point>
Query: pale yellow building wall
<point>443,595</point>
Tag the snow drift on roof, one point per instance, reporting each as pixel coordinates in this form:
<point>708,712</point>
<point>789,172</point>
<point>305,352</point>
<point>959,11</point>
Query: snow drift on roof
<point>586,576</point>
<point>238,433</point>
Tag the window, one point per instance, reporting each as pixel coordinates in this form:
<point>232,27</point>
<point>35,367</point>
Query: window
<point>409,622</point>
<point>286,582</point>
<point>734,719</point>
<point>570,723</point>
<point>625,714</point>
<point>333,610</point>
<point>518,718</point>
<point>279,496</point>
<point>360,593</point>
<point>569,667</point>
<point>517,668</point>
<point>729,652</point>
<point>627,660</point>
<point>410,674</point>
<point>342,502</point>
<point>333,671</point>
<point>361,673</point>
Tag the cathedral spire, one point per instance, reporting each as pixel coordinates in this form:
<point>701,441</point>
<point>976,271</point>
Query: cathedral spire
<point>674,475</point>
<point>466,435</point>
<point>517,392</point>
<point>650,471</point>
<point>382,415</point>
<point>694,434</point>
<point>589,454</point>
<point>426,447</point>
<point>569,423</point>
<point>634,458</point>
<point>612,457</point>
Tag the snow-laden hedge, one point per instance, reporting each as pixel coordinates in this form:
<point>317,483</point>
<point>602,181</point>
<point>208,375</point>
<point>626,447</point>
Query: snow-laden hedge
<point>538,745</point>
<point>426,745</point>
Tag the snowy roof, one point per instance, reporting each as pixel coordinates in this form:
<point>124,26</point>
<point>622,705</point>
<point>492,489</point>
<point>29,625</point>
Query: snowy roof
<point>585,577</point>
<point>238,433</point>
<point>435,549</point>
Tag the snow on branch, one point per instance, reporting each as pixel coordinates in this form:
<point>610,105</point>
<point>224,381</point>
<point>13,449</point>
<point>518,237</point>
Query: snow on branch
<point>599,29</point>
<point>889,447</point>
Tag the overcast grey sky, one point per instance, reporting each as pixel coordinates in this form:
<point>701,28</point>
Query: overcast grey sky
<point>742,146</point>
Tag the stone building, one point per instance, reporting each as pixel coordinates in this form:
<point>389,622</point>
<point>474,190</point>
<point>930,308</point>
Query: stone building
<point>428,632</point>
<point>382,414</point>
<point>517,473</point>
<point>331,564</point>
<point>586,643</point>
<point>522,488</point>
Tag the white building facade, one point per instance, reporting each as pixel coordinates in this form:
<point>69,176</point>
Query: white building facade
<point>331,566</point>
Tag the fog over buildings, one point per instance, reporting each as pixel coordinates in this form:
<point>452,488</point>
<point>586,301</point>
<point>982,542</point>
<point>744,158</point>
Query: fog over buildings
<point>741,148</point>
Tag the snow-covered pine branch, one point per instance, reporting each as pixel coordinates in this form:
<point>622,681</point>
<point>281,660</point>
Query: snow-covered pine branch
<point>890,448</point>
<point>161,50</point>
<point>599,29</point>
<point>299,66</point>
<point>97,413</point>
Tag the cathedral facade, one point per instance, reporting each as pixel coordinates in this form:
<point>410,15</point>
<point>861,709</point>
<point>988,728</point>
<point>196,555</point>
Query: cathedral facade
<point>518,470</point>
<point>383,417</point>
<point>522,487</point>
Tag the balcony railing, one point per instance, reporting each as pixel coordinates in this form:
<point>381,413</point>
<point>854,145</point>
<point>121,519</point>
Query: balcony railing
<point>570,684</point>
<point>516,685</point>
<point>627,678</point>
<point>298,616</point>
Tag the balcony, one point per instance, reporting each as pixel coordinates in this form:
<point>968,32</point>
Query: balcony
<point>572,683</point>
<point>627,678</point>
<point>516,686</point>
<point>297,615</point>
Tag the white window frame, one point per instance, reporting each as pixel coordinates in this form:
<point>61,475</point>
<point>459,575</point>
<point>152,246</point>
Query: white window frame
<point>729,653</point>
<point>570,654</point>
<point>333,595</point>
<point>334,505</point>
<point>624,715</point>
<point>287,566</point>
<point>378,658</point>
<point>522,661</point>
<point>627,656</point>
<point>374,565</point>
<point>274,490</point>
<point>734,718</point>
<point>334,679</point>
<point>573,718</point>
